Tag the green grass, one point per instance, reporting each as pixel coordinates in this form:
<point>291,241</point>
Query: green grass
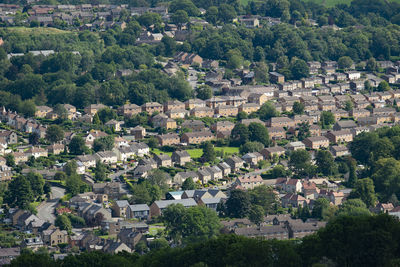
<point>195,153</point>
<point>158,152</point>
<point>228,149</point>
<point>37,31</point>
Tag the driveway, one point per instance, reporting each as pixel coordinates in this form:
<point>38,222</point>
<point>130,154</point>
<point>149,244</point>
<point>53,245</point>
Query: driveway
<point>46,209</point>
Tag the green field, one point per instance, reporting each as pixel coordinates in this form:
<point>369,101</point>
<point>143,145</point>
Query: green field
<point>198,152</point>
<point>37,31</point>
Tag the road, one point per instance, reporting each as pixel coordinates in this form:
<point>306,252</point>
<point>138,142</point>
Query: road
<point>46,209</point>
<point>115,176</point>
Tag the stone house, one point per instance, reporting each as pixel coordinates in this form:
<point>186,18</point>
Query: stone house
<point>119,208</point>
<point>201,112</point>
<point>157,207</point>
<point>339,136</point>
<point>316,142</point>
<point>271,152</point>
<point>152,107</point>
<point>168,139</point>
<point>163,160</point>
<point>173,104</point>
<point>222,126</point>
<point>180,157</point>
<point>226,111</point>
<point>54,237</point>
<point>235,163</point>
<point>194,103</point>
<point>197,137</point>
<point>93,108</point>
<point>138,211</point>
<point>129,110</point>
<point>249,182</point>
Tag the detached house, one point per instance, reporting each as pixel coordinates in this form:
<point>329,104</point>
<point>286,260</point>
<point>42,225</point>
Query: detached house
<point>36,152</point>
<point>42,111</point>
<point>235,163</point>
<point>339,136</point>
<point>271,152</point>
<point>180,157</point>
<point>163,160</point>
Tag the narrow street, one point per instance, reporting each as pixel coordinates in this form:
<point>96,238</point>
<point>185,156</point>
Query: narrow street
<point>46,209</point>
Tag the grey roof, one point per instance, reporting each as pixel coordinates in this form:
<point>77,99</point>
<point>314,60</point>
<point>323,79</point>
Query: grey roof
<point>187,202</point>
<point>139,207</point>
<point>211,200</point>
<point>122,203</point>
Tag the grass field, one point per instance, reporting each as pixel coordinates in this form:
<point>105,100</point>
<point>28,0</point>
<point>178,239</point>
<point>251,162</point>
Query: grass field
<point>198,152</point>
<point>37,31</point>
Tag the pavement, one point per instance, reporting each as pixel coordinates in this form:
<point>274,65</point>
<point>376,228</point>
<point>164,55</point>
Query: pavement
<point>46,209</point>
<point>115,176</point>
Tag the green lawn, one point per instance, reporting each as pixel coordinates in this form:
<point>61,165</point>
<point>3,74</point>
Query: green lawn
<point>37,31</point>
<point>196,153</point>
<point>228,149</point>
<point>158,152</point>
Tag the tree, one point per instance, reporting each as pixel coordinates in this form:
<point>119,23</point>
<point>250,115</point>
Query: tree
<point>300,162</point>
<point>325,162</point>
<point>327,119</point>
<point>267,111</point>
<point>159,178</point>
<point>19,193</point>
<point>180,17</point>
<point>348,105</point>
<point>238,204</point>
<point>103,143</point>
<point>10,160</point>
<point>152,142</point>
<point>33,138</point>
<point>100,172</point>
<point>212,14</point>
<point>54,133</point>
<point>249,147</point>
<point>226,13</point>
<point>204,92</point>
<point>320,209</point>
<point>240,134</point>
<point>158,244</point>
<point>256,214</point>
<point>145,193</point>
<point>70,167</point>
<point>371,65</point>
<point>37,183</point>
<point>352,166</point>
<point>73,184</point>
<point>63,222</point>
<point>353,207</point>
<point>364,189</point>
<point>383,86</point>
<point>235,59</point>
<point>96,119</point>
<point>298,107</point>
<point>259,133</point>
<point>345,62</point>
<point>106,114</point>
<point>304,131</point>
<point>386,177</point>
<point>299,69</point>
<point>190,224</point>
<point>189,184</point>
<point>265,197</point>
<point>208,153</point>
<point>77,146</point>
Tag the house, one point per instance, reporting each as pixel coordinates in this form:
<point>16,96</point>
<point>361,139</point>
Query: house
<point>163,160</point>
<point>295,146</point>
<point>256,98</point>
<point>56,149</point>
<point>280,122</point>
<point>32,243</point>
<point>216,173</point>
<point>194,103</point>
<point>249,107</point>
<point>8,254</point>
<point>353,75</point>
<point>316,142</point>
<point>180,157</point>
<point>114,124</point>
<point>130,237</point>
<point>204,175</point>
<point>94,108</point>
<point>343,125</point>
<point>358,113</point>
<point>225,168</point>
<point>36,152</point>
<point>194,125</point>
<point>252,158</point>
<point>119,208</point>
<point>19,157</point>
<point>152,107</point>
<point>160,121</point>
<point>141,149</point>
<point>9,137</point>
<point>339,136</point>
<point>115,247</point>
<point>276,77</point>
<point>202,112</point>
<point>138,211</point>
<point>278,232</point>
<point>293,199</point>
<point>54,237</point>
<point>42,111</point>
<point>276,133</point>
<point>87,160</point>
<point>338,151</point>
<point>180,177</point>
<point>177,113</point>
<point>174,104</point>
<point>168,139</point>
<point>222,126</point>
<point>108,157</point>
<point>226,111</point>
<point>197,137</point>
<point>309,190</point>
<point>138,132</point>
<point>129,110</point>
<point>235,163</point>
<point>271,152</point>
<point>249,182</point>
<point>157,207</point>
